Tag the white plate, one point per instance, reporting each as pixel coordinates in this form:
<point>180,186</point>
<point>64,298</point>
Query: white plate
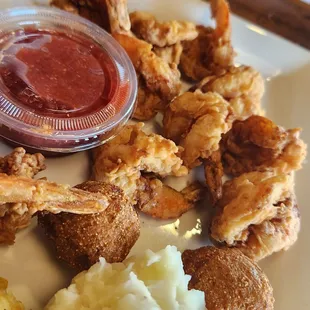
<point>30,265</point>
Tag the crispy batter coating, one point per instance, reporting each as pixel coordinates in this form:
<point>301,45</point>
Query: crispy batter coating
<point>118,15</point>
<point>94,10</point>
<point>15,216</point>
<point>161,34</point>
<point>163,202</point>
<point>147,103</point>
<point>160,77</point>
<point>258,214</point>
<point>22,197</point>
<point>192,57</point>
<point>20,163</point>
<point>277,234</point>
<point>229,279</point>
<point>171,54</point>
<point>242,86</point>
<point>42,195</point>
<point>196,121</point>
<point>211,51</point>
<point>259,144</point>
<point>80,240</point>
<point>121,160</point>
<point>214,173</point>
<point>7,299</point>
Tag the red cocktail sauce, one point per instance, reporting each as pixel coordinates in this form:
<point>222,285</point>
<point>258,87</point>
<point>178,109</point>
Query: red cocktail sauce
<point>56,74</point>
<point>65,84</point>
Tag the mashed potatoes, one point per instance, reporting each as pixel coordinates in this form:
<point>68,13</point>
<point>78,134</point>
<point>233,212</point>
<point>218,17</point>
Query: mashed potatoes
<point>151,281</point>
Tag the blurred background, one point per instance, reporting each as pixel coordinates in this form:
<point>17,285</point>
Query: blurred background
<point>287,18</point>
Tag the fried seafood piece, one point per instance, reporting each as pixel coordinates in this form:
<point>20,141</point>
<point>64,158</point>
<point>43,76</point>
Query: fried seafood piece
<point>13,217</point>
<point>159,76</point>
<point>93,10</point>
<point>148,103</point>
<point>242,86</point>
<point>20,163</point>
<point>41,195</point>
<point>7,299</point>
<point>214,173</point>
<point>121,160</point>
<point>211,51</point>
<point>197,121</point>
<point>118,15</point>
<point>80,240</point>
<point>229,279</point>
<point>171,54</point>
<point>259,144</point>
<point>145,26</point>
<point>17,216</point>
<point>258,214</point>
<point>161,201</point>
<point>193,54</point>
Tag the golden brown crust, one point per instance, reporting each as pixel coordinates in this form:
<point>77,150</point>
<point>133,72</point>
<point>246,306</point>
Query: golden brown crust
<point>20,163</point>
<point>258,214</point>
<point>118,15</point>
<point>11,222</point>
<point>211,51</point>
<point>214,173</point>
<point>43,195</point>
<point>80,240</point>
<point>171,54</point>
<point>197,121</point>
<point>274,235</point>
<point>94,10</point>
<point>163,202</point>
<point>229,279</point>
<point>121,160</point>
<point>242,87</point>
<point>148,103</point>
<point>259,144</point>
<point>15,216</point>
<point>161,34</point>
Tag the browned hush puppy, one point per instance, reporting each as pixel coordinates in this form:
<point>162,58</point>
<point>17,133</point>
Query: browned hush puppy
<point>229,279</point>
<point>80,240</point>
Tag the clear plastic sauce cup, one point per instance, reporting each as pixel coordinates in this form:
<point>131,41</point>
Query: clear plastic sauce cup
<point>65,84</point>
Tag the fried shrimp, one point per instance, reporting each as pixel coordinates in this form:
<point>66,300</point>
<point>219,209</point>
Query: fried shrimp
<point>242,86</point>
<point>20,163</point>
<point>160,77</point>
<point>214,173</point>
<point>171,54</point>
<point>259,144</point>
<point>42,195</point>
<point>211,51</point>
<point>16,216</point>
<point>163,202</point>
<point>94,10</point>
<point>258,214</point>
<point>161,34</point>
<point>118,15</point>
<point>196,121</point>
<point>121,160</point>
<point>148,103</point>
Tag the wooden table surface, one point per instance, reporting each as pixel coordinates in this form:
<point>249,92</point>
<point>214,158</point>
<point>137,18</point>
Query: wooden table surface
<point>287,18</point>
